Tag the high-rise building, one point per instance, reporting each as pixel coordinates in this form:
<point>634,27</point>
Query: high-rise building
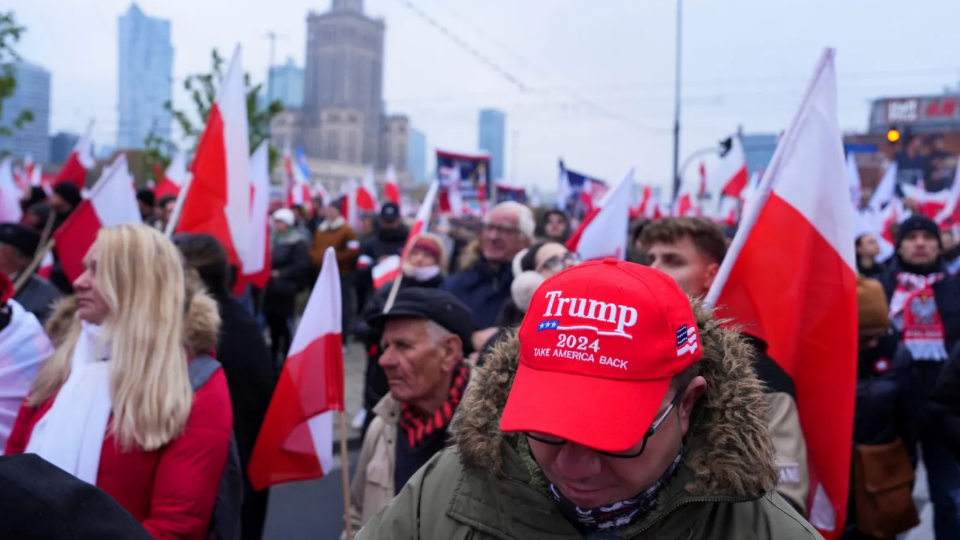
<point>417,156</point>
<point>61,145</point>
<point>286,85</point>
<point>493,125</point>
<point>145,78</point>
<point>343,84</point>
<point>31,94</point>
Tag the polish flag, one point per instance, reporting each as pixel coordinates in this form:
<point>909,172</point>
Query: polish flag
<point>79,162</point>
<point>296,439</point>
<point>799,294</point>
<point>113,201</point>
<point>218,199</point>
<point>935,206</point>
<point>367,193</point>
<point>10,210</point>
<point>46,265</point>
<point>348,196</point>
<point>391,189</point>
<point>603,232</point>
<point>255,268</point>
<point>388,269</point>
<point>173,177</point>
<point>731,173</point>
<point>951,212</point>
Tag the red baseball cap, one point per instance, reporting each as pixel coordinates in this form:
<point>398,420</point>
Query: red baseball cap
<point>598,347</point>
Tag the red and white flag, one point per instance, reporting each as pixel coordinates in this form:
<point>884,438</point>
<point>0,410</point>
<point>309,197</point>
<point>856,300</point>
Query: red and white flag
<point>367,193</point>
<point>886,189</point>
<point>113,201</point>
<point>173,178</point>
<point>388,269</point>
<point>296,439</point>
<point>799,294</point>
<point>599,236</point>
<point>348,196</point>
<point>218,198</point>
<point>391,189</point>
<point>731,175</point>
<point>79,162</point>
<point>254,268</point>
<point>10,210</point>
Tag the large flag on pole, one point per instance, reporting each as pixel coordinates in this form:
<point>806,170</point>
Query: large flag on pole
<point>112,202</point>
<point>799,293</point>
<point>79,161</point>
<point>218,198</point>
<point>388,269</point>
<point>599,235</point>
<point>255,267</point>
<point>391,187</point>
<point>296,439</point>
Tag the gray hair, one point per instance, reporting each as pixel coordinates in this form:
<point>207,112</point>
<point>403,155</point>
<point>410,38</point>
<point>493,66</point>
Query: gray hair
<point>525,221</point>
<point>436,332</point>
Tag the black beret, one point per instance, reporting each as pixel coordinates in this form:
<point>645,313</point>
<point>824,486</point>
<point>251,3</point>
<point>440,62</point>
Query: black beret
<point>69,192</point>
<point>434,305</point>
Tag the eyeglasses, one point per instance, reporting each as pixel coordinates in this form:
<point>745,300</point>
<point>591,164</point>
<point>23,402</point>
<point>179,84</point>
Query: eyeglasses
<point>559,262</point>
<point>489,228</point>
<point>556,441</point>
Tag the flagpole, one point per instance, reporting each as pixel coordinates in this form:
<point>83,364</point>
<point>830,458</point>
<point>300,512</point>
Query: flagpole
<point>345,475</point>
<point>178,206</point>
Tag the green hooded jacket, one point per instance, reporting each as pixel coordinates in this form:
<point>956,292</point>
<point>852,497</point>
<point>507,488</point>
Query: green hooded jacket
<point>489,486</point>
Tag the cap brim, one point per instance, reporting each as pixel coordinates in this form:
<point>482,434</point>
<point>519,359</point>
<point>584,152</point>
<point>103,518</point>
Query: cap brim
<point>603,414</point>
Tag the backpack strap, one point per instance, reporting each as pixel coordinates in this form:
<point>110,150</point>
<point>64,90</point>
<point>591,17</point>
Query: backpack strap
<point>201,369</point>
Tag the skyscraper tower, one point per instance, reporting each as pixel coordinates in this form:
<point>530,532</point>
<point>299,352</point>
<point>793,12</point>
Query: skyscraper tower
<point>343,85</point>
<point>145,81</point>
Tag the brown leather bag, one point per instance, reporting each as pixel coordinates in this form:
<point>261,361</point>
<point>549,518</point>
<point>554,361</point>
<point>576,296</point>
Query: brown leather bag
<point>883,478</point>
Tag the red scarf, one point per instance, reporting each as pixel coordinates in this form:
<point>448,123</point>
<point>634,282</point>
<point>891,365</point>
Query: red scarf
<point>913,309</point>
<point>419,428</point>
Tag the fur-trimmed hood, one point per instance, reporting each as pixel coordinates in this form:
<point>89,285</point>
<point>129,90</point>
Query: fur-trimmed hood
<point>202,323</point>
<point>728,448</point>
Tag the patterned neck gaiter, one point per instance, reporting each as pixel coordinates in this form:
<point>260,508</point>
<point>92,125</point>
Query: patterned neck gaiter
<point>616,515</point>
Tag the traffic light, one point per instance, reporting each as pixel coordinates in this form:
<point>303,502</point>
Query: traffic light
<point>893,135</point>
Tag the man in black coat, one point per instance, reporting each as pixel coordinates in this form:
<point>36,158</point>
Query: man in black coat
<point>388,238</point>
<point>925,312</point>
<point>246,363</point>
<point>291,270</point>
<point>18,245</point>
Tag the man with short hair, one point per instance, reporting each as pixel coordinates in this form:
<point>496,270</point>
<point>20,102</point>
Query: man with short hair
<point>925,313</point>
<point>484,286</point>
<point>426,335</point>
<point>621,409</point>
<point>690,250</point>
<point>165,207</point>
<point>147,203</point>
<point>18,246</point>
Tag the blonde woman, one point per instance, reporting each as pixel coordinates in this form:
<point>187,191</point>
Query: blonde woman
<point>114,406</point>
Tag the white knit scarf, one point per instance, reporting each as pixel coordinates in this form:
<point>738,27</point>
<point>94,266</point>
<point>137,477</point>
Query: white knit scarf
<point>70,435</point>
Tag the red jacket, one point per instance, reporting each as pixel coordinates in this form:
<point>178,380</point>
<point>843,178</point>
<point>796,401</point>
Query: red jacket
<point>171,491</point>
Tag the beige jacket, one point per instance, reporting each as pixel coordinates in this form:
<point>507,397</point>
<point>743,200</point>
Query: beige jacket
<point>373,484</point>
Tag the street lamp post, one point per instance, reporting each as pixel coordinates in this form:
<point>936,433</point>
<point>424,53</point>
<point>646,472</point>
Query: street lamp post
<point>676,117</point>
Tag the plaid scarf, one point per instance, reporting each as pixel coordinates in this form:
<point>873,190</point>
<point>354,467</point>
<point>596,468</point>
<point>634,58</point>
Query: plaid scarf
<point>913,310</point>
<point>419,428</point>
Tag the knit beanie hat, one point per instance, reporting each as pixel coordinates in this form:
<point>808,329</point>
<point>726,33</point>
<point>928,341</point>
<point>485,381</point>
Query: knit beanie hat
<point>69,192</point>
<point>918,222</point>
<point>871,304</point>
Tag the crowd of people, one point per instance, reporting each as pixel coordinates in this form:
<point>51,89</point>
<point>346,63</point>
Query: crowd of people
<point>511,390</point>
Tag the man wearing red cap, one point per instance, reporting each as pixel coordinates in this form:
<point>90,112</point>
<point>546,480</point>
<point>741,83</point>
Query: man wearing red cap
<point>619,410</point>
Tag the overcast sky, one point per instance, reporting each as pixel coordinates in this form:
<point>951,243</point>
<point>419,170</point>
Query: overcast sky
<point>595,76</point>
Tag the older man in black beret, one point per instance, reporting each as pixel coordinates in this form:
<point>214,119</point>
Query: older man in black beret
<point>426,336</point>
<point>18,246</point>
